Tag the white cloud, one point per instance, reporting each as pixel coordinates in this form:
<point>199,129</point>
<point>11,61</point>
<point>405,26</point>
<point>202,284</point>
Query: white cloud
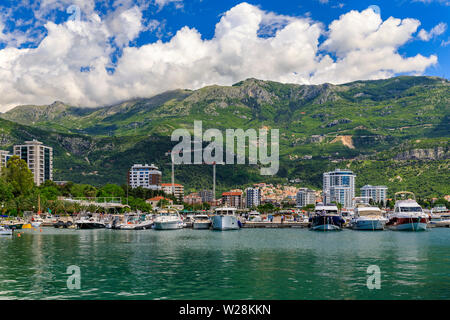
<point>162,3</point>
<point>70,62</point>
<point>443,2</point>
<point>436,31</point>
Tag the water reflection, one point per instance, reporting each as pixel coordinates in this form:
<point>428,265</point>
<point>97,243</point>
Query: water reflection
<point>245,264</point>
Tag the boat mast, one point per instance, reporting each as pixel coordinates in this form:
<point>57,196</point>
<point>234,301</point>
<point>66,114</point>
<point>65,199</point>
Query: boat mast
<point>214,182</point>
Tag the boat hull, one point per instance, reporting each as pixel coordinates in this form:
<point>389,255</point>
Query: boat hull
<point>36,224</point>
<point>327,223</point>
<point>201,225</point>
<point>408,224</point>
<point>224,223</point>
<point>168,225</point>
<point>6,232</point>
<point>368,224</point>
<point>90,225</point>
<point>139,226</point>
<point>326,227</point>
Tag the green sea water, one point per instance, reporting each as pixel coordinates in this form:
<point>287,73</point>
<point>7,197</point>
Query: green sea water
<point>244,264</point>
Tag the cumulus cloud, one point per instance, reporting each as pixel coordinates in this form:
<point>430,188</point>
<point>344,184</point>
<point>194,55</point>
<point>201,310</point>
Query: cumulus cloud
<point>73,62</point>
<point>436,31</point>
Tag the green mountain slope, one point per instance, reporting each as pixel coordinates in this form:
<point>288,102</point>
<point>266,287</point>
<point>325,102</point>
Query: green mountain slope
<point>393,132</point>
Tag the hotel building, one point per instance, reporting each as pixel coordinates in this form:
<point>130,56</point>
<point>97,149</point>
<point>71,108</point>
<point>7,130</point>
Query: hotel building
<point>39,159</point>
<point>145,176</point>
<point>305,196</point>
<point>339,187</point>
<point>232,199</point>
<point>376,193</point>
<point>179,190</point>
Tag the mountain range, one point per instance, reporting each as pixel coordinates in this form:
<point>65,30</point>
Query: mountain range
<point>393,132</point>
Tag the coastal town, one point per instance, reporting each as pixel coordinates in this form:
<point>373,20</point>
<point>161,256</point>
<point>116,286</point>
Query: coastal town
<point>336,206</point>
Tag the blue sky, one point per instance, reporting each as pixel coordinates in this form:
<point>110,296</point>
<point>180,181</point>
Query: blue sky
<point>119,49</point>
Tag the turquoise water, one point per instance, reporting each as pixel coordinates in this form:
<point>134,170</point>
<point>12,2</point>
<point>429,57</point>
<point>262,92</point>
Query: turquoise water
<point>244,264</point>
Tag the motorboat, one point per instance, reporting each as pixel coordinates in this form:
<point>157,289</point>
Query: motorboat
<point>408,215</point>
<point>168,220</point>
<point>437,220</point>
<point>326,218</point>
<point>4,231</point>
<point>201,222</point>
<point>368,218</point>
<point>90,223</point>
<point>136,222</point>
<point>36,221</point>
<point>225,219</point>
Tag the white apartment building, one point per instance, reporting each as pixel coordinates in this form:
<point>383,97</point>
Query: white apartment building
<point>179,190</point>
<point>39,159</point>
<point>339,187</point>
<point>145,176</point>
<point>377,193</point>
<point>305,196</point>
<point>4,157</point>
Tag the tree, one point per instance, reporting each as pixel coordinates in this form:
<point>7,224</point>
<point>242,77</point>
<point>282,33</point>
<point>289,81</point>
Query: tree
<point>111,190</point>
<point>19,176</point>
<point>309,207</point>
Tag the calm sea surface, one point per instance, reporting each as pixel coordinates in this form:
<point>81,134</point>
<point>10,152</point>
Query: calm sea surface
<point>244,264</point>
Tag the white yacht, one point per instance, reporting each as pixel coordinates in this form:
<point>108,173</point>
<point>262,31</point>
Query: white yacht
<point>408,214</point>
<point>368,218</point>
<point>201,221</point>
<point>168,220</point>
<point>225,219</point>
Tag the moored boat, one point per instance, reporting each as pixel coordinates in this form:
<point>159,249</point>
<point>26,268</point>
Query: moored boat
<point>201,222</point>
<point>4,231</point>
<point>326,218</point>
<point>225,219</point>
<point>36,221</point>
<point>90,223</point>
<point>368,218</point>
<point>168,220</point>
<point>408,214</point>
<point>439,220</point>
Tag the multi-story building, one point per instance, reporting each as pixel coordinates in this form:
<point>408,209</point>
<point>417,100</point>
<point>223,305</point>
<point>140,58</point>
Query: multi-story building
<point>145,176</point>
<point>39,159</point>
<point>207,196</point>
<point>376,193</point>
<point>156,200</point>
<point>305,196</point>
<point>4,157</point>
<point>179,190</point>
<point>233,199</point>
<point>193,198</point>
<point>253,197</point>
<point>339,187</point>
